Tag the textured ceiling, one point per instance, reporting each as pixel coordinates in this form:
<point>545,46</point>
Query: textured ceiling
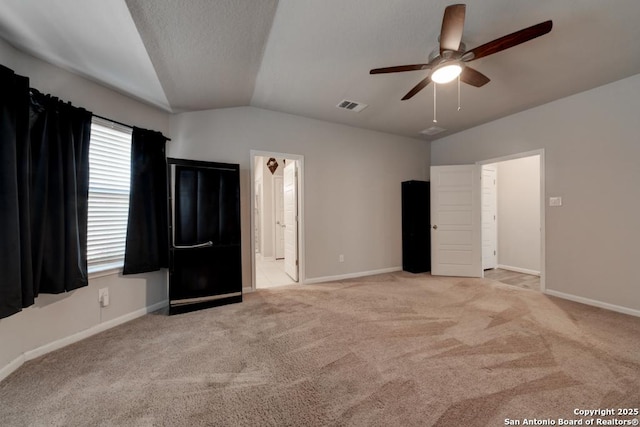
<point>206,53</point>
<point>304,56</point>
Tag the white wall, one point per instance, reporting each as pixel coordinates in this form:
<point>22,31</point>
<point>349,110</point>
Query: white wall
<point>519,214</point>
<point>591,161</point>
<point>263,175</point>
<point>352,180</point>
<point>278,191</point>
<point>267,212</point>
<point>258,177</point>
<point>265,178</point>
<point>59,317</point>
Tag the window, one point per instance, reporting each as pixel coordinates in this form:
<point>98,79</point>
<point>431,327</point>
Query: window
<point>109,179</point>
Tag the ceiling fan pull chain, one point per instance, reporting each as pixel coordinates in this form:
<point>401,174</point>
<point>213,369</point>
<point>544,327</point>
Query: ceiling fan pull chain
<point>459,107</point>
<point>434,103</point>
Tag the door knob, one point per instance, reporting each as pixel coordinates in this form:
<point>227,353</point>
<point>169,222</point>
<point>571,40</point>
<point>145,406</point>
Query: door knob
<point>435,227</point>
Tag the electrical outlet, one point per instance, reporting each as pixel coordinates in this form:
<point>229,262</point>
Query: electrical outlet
<point>103,297</point>
<point>555,201</point>
<point>340,258</point>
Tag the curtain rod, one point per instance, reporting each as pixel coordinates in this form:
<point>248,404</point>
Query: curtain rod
<point>34,90</point>
<point>119,123</point>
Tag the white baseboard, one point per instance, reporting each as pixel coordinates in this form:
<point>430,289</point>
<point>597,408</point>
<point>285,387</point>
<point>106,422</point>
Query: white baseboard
<point>63,342</point>
<point>11,367</point>
<point>351,275</point>
<point>519,270</point>
<point>595,303</point>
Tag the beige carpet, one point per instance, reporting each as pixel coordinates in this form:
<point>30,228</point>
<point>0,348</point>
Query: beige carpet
<point>390,350</point>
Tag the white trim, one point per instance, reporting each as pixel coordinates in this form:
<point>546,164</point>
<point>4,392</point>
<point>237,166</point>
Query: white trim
<point>543,232</point>
<point>540,152</point>
<point>78,336</point>
<point>11,367</point>
<point>352,275</point>
<point>109,271</point>
<point>531,153</point>
<point>519,270</point>
<point>301,217</point>
<point>594,303</point>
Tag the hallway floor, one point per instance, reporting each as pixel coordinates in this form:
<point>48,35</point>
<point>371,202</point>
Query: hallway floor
<point>271,273</point>
<point>521,280</point>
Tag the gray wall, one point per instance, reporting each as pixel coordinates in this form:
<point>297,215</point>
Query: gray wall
<point>352,180</point>
<point>591,161</point>
<point>58,317</point>
<point>519,214</point>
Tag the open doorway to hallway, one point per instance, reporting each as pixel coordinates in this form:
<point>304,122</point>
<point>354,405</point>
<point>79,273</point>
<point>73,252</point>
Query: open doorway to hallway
<point>512,220</point>
<point>277,219</point>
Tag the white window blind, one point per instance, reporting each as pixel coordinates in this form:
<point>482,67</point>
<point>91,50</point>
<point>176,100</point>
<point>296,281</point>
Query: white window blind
<point>109,178</point>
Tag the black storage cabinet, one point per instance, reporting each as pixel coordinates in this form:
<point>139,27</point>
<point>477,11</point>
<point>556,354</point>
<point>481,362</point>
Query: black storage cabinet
<point>416,224</point>
<point>205,258</point>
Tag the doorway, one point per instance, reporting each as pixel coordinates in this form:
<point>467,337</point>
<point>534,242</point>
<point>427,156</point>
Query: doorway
<point>513,219</point>
<point>457,223</point>
<point>277,195</point>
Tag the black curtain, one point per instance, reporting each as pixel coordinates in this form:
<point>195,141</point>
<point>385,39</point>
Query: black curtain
<point>147,247</point>
<point>44,180</point>
<point>16,278</point>
<point>59,136</point>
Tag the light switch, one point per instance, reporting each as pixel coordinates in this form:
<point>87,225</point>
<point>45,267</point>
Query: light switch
<point>555,201</point>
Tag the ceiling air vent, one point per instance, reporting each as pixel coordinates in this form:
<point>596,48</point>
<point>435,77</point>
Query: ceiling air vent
<point>432,130</point>
<point>345,104</point>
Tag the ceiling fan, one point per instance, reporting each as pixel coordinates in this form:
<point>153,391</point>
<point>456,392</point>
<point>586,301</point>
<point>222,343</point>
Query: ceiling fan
<point>450,60</point>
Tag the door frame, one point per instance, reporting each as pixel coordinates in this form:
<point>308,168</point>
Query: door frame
<point>301,246</point>
<point>532,153</point>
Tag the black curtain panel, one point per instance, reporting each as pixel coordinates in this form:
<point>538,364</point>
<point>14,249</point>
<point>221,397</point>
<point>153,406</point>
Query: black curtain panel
<point>147,247</point>
<point>16,278</point>
<point>59,138</point>
<point>44,184</point>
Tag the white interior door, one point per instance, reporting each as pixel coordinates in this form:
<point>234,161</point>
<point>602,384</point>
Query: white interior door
<point>290,199</point>
<point>489,220</point>
<point>456,244</point>
<point>278,198</point>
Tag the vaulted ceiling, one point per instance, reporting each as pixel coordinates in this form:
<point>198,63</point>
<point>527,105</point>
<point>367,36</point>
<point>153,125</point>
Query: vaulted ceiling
<point>305,56</point>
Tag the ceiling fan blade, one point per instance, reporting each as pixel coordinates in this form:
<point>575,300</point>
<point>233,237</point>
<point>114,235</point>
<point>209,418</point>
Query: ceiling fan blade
<point>452,27</point>
<point>417,88</point>
<point>399,69</point>
<point>510,40</point>
<point>473,77</point>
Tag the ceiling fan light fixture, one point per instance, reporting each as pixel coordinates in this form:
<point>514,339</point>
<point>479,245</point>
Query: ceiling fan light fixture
<point>446,72</point>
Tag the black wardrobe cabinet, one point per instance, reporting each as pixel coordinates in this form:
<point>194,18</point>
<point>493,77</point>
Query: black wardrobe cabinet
<point>204,233</point>
<point>416,236</point>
